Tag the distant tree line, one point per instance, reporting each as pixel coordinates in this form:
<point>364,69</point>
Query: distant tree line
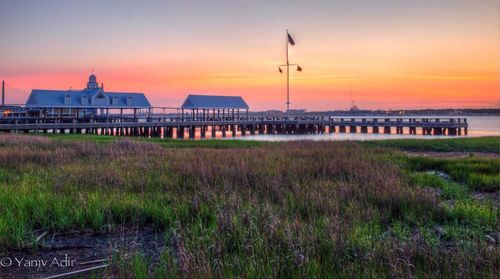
<point>413,112</point>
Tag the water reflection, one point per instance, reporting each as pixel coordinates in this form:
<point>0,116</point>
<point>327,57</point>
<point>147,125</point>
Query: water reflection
<point>478,126</point>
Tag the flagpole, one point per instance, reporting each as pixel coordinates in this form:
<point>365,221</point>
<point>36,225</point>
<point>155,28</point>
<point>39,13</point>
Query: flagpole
<point>287,75</point>
<point>288,40</point>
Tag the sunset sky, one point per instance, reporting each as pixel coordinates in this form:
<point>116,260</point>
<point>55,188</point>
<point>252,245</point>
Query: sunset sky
<point>398,54</point>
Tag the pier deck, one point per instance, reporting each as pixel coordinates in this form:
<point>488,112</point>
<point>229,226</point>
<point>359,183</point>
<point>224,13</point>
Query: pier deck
<point>176,127</point>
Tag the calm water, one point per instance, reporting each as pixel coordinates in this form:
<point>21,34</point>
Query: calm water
<point>478,126</point>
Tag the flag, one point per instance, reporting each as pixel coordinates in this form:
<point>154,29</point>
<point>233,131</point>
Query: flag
<point>290,39</point>
<point>279,69</point>
<point>299,68</point>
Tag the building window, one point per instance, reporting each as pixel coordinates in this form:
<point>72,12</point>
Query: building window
<point>85,100</point>
<point>67,99</point>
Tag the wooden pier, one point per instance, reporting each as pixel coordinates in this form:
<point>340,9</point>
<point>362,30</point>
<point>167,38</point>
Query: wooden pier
<point>211,127</point>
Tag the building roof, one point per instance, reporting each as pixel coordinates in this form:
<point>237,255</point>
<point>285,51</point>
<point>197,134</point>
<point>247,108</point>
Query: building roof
<point>57,99</point>
<point>214,102</point>
<point>91,97</point>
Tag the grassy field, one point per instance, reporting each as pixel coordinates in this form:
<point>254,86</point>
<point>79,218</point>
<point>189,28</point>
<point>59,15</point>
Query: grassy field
<point>209,143</point>
<point>479,144</point>
<point>255,210</point>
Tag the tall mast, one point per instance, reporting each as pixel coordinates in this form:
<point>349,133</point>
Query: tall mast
<point>3,92</point>
<point>287,75</point>
<point>350,93</point>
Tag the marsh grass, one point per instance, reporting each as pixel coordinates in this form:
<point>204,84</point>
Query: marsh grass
<point>479,174</point>
<point>450,190</point>
<point>183,143</point>
<point>473,144</point>
<point>301,209</point>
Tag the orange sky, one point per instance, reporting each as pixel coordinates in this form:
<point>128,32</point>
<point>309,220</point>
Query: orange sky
<point>434,56</point>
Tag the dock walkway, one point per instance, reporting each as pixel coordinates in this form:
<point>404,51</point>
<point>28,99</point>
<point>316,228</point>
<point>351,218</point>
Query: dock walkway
<point>176,127</point>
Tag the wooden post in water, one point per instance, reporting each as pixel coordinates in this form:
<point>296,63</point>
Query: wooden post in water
<point>213,130</point>
<point>233,127</point>
<point>252,129</point>
<point>192,130</point>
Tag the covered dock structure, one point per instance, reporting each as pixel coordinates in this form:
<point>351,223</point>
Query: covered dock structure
<point>213,108</point>
<point>88,103</point>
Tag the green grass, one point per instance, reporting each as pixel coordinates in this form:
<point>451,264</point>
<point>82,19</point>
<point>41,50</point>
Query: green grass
<point>477,173</point>
<point>286,210</point>
<point>474,214</point>
<point>205,143</point>
<point>479,144</point>
<point>450,189</point>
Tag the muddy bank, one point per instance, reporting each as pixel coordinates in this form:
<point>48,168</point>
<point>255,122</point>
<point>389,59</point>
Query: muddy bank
<point>61,253</point>
<point>453,154</point>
